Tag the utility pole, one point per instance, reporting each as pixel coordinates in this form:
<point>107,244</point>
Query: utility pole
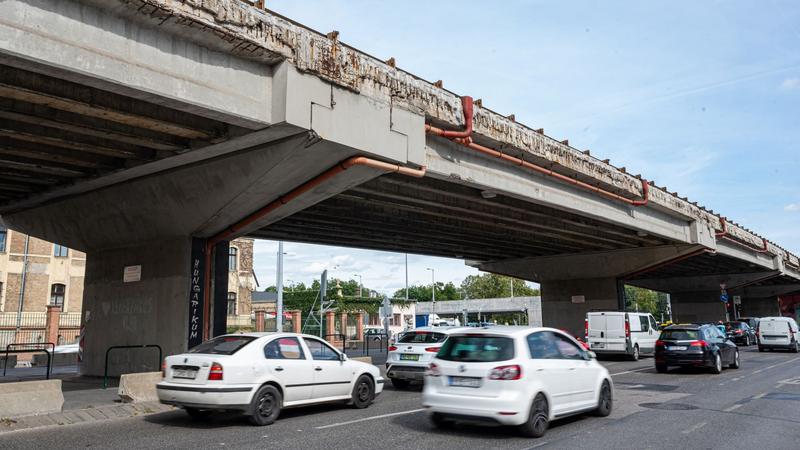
<point>360,284</point>
<point>406,276</point>
<point>279,288</point>
<point>512,287</point>
<point>433,291</point>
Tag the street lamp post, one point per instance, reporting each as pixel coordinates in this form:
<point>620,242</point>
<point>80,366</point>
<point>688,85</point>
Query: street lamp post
<point>433,291</point>
<point>360,284</point>
<point>279,288</point>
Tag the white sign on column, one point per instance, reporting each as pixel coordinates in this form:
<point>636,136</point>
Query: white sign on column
<point>132,274</point>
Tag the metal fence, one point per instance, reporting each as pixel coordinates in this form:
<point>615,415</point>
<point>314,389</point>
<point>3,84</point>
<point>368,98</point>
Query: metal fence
<point>32,328</point>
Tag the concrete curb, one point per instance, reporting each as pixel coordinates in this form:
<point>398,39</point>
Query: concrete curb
<point>139,387</point>
<point>87,415</point>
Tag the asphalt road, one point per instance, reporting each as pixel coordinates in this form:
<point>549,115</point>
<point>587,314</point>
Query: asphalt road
<point>755,407</point>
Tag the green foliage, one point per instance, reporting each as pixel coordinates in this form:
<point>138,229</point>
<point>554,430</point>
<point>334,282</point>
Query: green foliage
<point>490,285</point>
<point>645,300</point>
<point>422,292</point>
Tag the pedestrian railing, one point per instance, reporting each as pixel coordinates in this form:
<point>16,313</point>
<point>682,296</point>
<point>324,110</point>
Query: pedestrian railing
<point>117,347</point>
<point>37,347</point>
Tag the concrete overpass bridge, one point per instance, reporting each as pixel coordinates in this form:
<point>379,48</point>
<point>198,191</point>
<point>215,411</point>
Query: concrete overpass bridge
<point>151,132</point>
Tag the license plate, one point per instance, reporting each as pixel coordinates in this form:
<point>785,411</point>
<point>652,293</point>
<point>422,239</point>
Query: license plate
<point>408,357</point>
<point>677,347</point>
<point>598,345</point>
<point>470,382</point>
<point>182,373</point>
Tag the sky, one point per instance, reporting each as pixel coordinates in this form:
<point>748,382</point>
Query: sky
<point>701,97</point>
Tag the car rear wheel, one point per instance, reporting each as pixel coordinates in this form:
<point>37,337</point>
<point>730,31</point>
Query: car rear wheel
<point>736,363</point>
<point>717,368</point>
<point>747,341</point>
<point>661,368</point>
<point>539,418</point>
<point>605,402</point>
<point>363,392</point>
<point>400,384</point>
<point>266,406</point>
<point>635,354</point>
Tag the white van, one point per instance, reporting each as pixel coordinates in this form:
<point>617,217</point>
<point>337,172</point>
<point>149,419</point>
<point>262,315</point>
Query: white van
<point>777,332</point>
<point>618,332</point>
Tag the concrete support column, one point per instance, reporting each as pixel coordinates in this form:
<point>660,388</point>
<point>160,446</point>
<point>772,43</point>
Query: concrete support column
<point>330,324</point>
<point>696,307</point>
<point>260,320</point>
<point>51,323</point>
<point>153,309</point>
<point>343,324</point>
<point>566,302</point>
<point>297,318</point>
<point>360,326</point>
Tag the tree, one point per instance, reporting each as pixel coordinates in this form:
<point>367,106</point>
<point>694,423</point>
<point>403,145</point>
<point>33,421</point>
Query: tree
<point>490,285</point>
<point>645,300</point>
<point>422,292</point>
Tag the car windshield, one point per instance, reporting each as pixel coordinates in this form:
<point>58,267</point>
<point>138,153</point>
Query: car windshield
<point>422,337</point>
<point>223,345</point>
<point>477,349</point>
<point>679,335</point>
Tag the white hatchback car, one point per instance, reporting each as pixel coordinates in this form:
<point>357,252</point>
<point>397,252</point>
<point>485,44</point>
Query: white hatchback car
<point>515,376</point>
<point>260,373</point>
<point>413,352</point>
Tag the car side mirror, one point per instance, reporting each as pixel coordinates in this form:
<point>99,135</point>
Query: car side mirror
<point>589,355</point>
<point>342,357</point>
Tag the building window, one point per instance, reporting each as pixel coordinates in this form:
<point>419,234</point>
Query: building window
<point>231,303</point>
<point>3,235</point>
<point>57,295</point>
<point>233,260</point>
<point>60,251</point>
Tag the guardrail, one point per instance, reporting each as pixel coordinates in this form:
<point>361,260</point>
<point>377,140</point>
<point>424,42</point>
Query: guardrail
<point>115,347</point>
<point>33,350</point>
<point>382,339</point>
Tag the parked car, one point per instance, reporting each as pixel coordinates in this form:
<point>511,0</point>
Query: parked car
<point>752,322</point>
<point>777,333</point>
<point>621,333</point>
<point>374,333</point>
<point>520,376</point>
<point>695,346</point>
<point>414,350</point>
<point>262,373</point>
<point>740,333</point>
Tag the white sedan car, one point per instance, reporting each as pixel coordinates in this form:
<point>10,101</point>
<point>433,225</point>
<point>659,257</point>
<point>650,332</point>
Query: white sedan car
<point>515,376</point>
<point>261,373</point>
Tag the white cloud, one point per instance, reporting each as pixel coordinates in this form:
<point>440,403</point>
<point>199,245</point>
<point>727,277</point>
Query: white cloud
<point>790,83</point>
<point>792,207</point>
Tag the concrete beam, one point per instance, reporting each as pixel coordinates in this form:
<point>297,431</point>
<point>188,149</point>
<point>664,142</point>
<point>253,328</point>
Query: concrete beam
<point>769,290</point>
<point>701,282</point>
<point>614,263</point>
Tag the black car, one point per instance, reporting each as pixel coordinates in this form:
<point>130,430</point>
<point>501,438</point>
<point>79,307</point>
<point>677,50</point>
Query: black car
<point>695,346</point>
<point>741,333</point>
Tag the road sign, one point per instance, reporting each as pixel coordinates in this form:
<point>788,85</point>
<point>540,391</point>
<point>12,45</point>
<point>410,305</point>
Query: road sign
<point>737,299</point>
<point>723,298</point>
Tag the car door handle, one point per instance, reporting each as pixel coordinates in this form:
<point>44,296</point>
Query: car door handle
<point>540,370</point>
<point>279,369</point>
<point>571,368</point>
<point>317,368</point>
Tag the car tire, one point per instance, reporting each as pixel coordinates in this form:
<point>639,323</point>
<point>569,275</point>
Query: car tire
<point>747,341</point>
<point>266,406</point>
<point>736,361</point>
<point>400,384</point>
<point>439,420</point>
<point>796,348</point>
<point>197,414</point>
<point>538,419</point>
<point>717,368</point>
<point>606,400</point>
<point>363,392</point>
<point>635,355</point>
<point>760,349</point>
<point>661,368</point>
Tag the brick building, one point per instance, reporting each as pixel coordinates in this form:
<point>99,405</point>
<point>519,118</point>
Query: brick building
<point>241,280</point>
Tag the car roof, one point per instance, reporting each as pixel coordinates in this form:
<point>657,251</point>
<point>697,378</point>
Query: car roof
<point>444,329</point>
<point>685,326</point>
<point>505,330</point>
<point>258,334</point>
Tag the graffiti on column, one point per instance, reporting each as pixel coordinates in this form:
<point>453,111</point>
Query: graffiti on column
<point>196,294</point>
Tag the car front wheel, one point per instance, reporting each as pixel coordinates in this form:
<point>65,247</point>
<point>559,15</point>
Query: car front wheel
<point>717,368</point>
<point>635,355</point>
<point>266,406</point>
<point>605,401</point>
<point>539,418</point>
<point>363,392</point>
<point>736,363</point>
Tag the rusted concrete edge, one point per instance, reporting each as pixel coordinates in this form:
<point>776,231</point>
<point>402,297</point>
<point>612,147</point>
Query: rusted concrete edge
<point>255,32</point>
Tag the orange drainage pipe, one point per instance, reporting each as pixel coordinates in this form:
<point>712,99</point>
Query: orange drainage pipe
<point>280,201</point>
<point>464,138</point>
<point>724,235</point>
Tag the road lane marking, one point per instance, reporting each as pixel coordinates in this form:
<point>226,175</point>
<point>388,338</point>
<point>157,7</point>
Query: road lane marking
<point>631,371</point>
<point>736,406</point>
<point>761,395</point>
<point>541,444</point>
<point>382,416</point>
<point>776,365</point>
<point>694,428</point>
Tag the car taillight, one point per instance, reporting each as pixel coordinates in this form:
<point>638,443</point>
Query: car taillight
<point>392,348</point>
<point>586,329</point>
<point>433,370</point>
<point>164,369</point>
<point>506,373</point>
<point>739,332</point>
<point>215,374</point>
<point>627,328</point>
<point>702,344</point>
<point>660,343</point>
<point>432,349</point>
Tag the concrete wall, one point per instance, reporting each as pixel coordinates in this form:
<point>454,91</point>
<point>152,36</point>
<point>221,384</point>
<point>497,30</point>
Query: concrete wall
<point>151,311</point>
<point>760,307</point>
<point>697,307</point>
<point>559,307</point>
